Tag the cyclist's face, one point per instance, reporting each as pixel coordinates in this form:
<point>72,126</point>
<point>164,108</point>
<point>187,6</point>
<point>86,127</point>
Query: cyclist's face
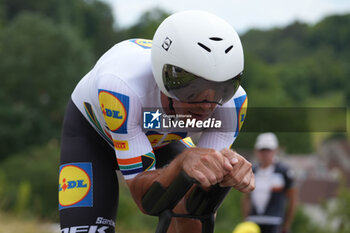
<point>199,111</point>
<point>204,96</point>
<point>196,110</point>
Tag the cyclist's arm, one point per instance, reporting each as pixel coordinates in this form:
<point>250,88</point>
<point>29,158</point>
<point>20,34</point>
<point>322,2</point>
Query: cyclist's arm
<point>207,166</point>
<point>142,182</point>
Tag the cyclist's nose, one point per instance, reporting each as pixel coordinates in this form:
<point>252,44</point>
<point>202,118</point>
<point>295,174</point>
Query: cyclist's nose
<point>207,95</point>
<point>206,107</point>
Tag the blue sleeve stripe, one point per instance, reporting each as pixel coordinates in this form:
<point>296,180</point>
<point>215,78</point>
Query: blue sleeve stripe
<point>132,171</point>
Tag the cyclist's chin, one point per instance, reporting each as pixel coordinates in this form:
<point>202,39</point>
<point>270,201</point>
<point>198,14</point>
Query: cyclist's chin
<point>199,111</point>
<point>198,115</point>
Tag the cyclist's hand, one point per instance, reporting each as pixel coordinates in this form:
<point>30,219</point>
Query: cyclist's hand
<point>241,177</point>
<point>207,166</point>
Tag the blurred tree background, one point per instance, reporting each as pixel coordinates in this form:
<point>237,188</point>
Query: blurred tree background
<point>46,47</point>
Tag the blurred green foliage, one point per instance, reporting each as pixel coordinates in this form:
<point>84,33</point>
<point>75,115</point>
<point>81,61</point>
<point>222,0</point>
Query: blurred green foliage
<point>46,47</point>
<point>129,214</point>
<point>340,212</point>
<point>28,181</point>
<point>296,66</point>
<point>41,64</point>
<point>229,213</point>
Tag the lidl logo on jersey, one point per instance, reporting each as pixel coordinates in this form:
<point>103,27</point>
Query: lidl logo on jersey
<point>146,44</point>
<point>75,185</point>
<point>151,120</point>
<point>115,108</point>
<point>158,140</point>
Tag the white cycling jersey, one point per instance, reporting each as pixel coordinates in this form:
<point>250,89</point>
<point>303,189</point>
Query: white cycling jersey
<point>112,97</point>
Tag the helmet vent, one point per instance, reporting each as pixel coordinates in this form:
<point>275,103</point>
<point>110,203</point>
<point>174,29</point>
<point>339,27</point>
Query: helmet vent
<point>215,38</point>
<point>204,47</point>
<point>228,49</point>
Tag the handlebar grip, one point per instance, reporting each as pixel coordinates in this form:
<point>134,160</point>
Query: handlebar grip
<point>158,198</point>
<point>202,202</point>
<point>154,193</point>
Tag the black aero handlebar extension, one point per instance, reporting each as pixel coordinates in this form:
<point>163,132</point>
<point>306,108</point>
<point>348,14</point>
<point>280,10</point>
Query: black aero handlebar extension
<point>201,204</point>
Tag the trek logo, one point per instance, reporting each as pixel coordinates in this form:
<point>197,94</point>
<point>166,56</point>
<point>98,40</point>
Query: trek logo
<point>115,108</point>
<point>75,185</point>
<point>151,120</point>
<point>88,229</point>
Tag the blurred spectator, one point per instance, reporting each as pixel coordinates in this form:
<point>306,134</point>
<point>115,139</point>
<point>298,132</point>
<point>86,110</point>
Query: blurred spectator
<point>273,202</point>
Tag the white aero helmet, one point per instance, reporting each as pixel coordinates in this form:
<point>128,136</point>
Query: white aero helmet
<point>197,57</point>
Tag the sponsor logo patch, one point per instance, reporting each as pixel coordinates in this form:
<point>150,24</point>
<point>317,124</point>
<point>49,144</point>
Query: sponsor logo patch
<point>154,138</point>
<point>121,145</point>
<point>158,140</point>
<point>75,185</point>
<point>104,221</point>
<point>146,44</point>
<point>115,108</point>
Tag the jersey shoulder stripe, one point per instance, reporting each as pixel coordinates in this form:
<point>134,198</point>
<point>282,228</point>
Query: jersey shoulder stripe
<point>143,43</point>
<point>241,104</point>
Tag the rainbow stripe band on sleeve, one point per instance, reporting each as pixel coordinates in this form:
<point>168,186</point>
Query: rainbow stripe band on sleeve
<point>130,166</point>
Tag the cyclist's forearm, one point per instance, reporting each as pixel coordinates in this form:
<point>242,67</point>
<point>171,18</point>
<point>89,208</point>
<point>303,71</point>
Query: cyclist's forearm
<point>142,182</point>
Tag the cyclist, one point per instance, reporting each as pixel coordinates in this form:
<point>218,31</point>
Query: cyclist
<point>192,67</point>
